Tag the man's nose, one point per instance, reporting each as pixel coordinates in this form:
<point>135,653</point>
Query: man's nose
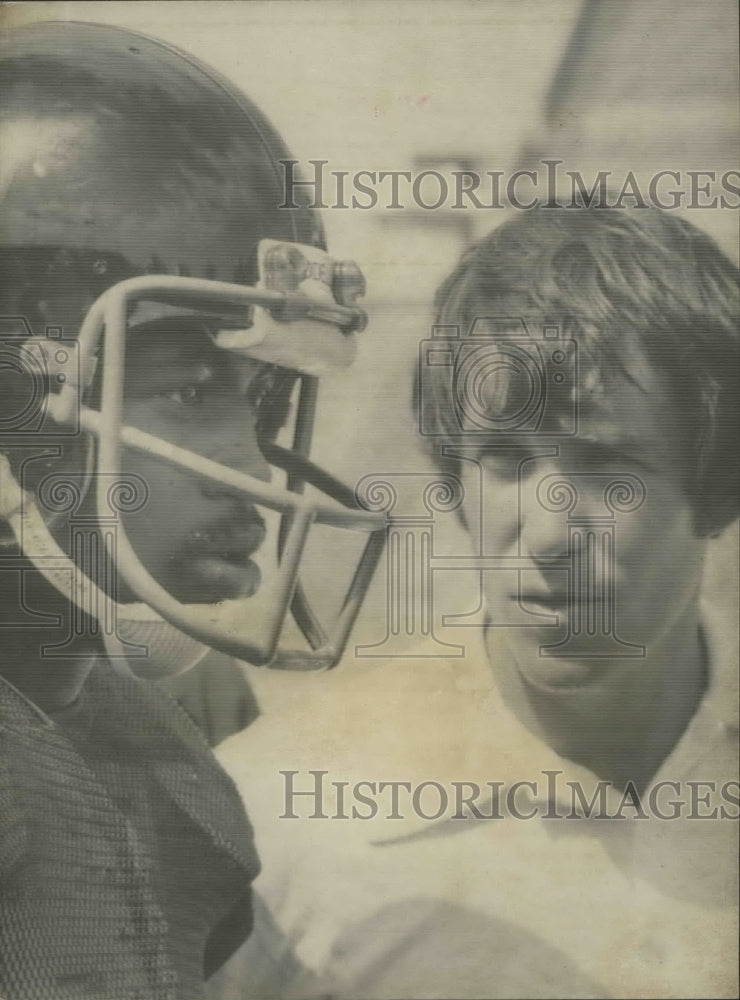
<point>554,499</point>
<point>543,530</point>
<point>240,450</point>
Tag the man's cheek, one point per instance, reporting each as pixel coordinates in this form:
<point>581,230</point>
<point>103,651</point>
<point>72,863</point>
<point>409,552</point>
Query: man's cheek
<point>161,481</point>
<point>640,541</point>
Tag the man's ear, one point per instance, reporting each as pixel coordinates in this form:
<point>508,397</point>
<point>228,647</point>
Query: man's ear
<point>33,463</point>
<point>450,466</point>
<point>713,532</point>
<point>712,522</point>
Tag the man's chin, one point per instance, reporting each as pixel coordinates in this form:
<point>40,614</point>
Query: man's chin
<point>555,673</point>
<point>560,673</point>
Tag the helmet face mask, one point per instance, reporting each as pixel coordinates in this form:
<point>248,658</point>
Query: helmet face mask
<point>295,319</point>
<point>228,625</point>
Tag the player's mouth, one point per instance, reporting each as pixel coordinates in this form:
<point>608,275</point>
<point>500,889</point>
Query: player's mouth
<point>220,556</point>
<point>547,602</point>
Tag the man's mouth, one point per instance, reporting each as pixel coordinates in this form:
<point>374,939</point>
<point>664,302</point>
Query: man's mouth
<point>557,602</point>
<point>220,555</point>
<point>549,601</point>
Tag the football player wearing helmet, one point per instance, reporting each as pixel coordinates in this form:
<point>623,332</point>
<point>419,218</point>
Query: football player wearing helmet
<point>164,322</point>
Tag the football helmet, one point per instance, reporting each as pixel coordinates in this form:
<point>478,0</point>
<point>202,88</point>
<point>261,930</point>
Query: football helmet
<point>136,185</point>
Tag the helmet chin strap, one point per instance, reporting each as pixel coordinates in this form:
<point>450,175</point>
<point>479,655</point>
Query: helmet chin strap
<point>165,650</point>
<point>169,651</point>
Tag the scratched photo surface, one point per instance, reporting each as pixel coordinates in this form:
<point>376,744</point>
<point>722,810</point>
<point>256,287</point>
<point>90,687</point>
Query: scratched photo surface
<point>519,776</point>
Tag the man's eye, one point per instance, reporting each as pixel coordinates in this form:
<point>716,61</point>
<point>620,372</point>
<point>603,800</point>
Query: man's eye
<point>260,388</point>
<point>504,462</point>
<point>602,457</point>
<point>186,395</point>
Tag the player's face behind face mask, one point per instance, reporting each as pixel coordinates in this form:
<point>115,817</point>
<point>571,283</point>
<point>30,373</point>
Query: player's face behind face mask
<point>196,537</point>
<point>176,177</point>
<point>191,501</point>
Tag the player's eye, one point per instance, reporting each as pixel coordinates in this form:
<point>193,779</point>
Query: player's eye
<point>185,395</point>
<point>260,388</point>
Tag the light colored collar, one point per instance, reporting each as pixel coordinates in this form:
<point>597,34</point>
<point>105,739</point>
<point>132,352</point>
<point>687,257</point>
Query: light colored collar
<point>441,720</point>
<point>712,733</point>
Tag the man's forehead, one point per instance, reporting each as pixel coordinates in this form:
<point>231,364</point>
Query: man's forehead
<point>166,347</point>
<point>629,408</point>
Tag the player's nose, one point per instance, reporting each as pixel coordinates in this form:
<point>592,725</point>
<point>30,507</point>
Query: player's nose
<point>240,450</point>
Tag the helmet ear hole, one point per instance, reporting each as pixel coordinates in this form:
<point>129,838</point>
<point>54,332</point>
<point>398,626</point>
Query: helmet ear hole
<point>31,372</point>
<point>41,469</point>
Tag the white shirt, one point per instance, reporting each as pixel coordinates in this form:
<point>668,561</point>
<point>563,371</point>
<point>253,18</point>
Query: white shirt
<point>419,907</point>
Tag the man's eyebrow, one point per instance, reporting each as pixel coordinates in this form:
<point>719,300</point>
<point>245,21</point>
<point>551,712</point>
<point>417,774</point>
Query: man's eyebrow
<point>618,443</point>
<point>608,438</point>
<point>202,372</point>
<point>184,368</point>
<point>170,375</point>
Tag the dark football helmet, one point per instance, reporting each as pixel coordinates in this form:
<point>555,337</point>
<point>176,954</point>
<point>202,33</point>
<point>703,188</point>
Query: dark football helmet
<point>138,185</point>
